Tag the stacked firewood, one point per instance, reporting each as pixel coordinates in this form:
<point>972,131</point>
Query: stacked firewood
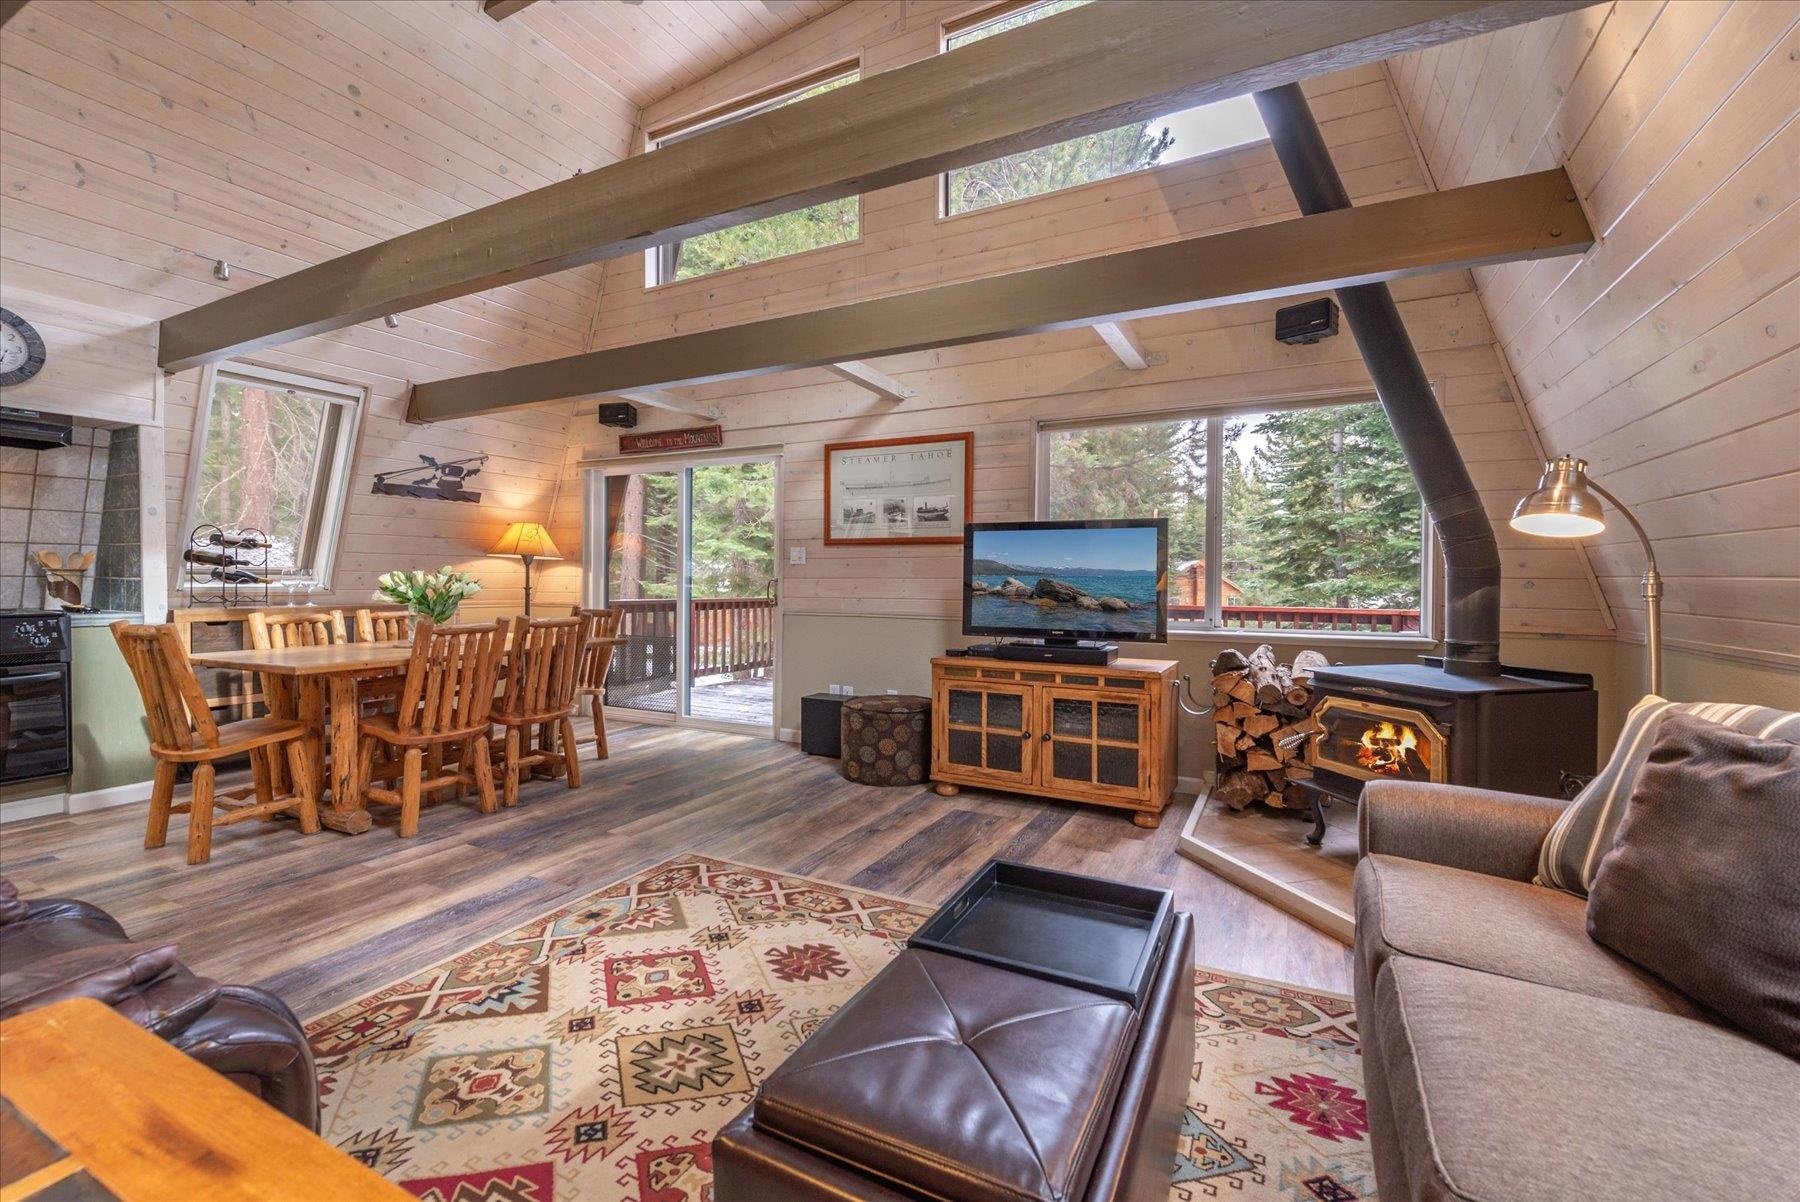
<point>1262,717</point>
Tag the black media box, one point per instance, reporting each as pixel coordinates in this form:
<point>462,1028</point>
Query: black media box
<point>821,715</point>
<point>1091,654</point>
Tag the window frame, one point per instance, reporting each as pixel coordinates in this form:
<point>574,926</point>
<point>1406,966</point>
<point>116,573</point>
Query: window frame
<point>331,482</point>
<point>725,113</point>
<point>974,19</point>
<point>1212,626</point>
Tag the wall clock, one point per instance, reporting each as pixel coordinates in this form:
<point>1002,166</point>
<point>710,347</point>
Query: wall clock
<point>21,350</point>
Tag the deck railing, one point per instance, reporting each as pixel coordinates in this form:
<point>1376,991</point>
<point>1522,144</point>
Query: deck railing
<point>1305,617</point>
<point>728,635</point>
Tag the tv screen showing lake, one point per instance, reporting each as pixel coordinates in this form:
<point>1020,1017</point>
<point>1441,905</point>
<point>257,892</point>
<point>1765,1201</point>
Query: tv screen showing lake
<point>1092,581</point>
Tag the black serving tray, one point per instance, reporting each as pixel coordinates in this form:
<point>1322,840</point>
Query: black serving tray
<point>1083,931</point>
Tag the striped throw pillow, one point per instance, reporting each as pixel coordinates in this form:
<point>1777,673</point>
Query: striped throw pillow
<point>1570,857</point>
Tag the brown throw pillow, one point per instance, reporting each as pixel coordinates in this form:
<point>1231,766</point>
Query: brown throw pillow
<point>1702,887</point>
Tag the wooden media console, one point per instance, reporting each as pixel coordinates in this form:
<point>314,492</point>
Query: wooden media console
<point>1076,732</point>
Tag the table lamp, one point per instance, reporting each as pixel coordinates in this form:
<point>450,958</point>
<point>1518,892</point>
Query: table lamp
<point>529,541</point>
<point>1566,504</point>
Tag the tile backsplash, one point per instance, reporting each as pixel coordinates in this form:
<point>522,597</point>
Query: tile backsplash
<point>50,501</point>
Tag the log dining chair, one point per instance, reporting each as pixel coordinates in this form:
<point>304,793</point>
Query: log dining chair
<point>596,661</point>
<point>298,628</point>
<point>383,626</point>
<point>182,731</point>
<point>444,702</point>
<point>302,628</point>
<point>542,669</point>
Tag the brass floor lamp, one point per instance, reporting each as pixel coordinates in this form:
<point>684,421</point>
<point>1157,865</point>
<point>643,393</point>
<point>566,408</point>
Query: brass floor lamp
<point>1567,504</point>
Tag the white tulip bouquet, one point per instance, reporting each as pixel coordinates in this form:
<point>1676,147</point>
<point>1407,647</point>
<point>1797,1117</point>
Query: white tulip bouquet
<point>435,595</point>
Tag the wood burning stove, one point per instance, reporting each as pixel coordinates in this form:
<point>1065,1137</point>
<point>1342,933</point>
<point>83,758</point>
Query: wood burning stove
<point>1369,741</point>
<point>1519,731</point>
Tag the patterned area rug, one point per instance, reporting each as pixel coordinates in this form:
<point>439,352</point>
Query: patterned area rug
<point>591,1054</point>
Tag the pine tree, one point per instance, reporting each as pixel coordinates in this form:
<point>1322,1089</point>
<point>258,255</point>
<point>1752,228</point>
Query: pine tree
<point>1339,523</point>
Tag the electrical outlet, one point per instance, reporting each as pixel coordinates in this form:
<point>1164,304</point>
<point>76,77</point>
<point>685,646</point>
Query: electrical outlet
<point>849,690</point>
<point>796,554</point>
<point>893,692</point>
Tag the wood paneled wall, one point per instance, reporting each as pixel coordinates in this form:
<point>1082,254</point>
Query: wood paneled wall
<point>1001,390</point>
<point>141,141</point>
<point>1666,355</point>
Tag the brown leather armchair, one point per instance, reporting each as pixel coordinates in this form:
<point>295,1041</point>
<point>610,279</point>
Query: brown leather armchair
<point>53,949</point>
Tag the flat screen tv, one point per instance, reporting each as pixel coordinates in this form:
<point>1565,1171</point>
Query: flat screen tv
<point>1067,581</point>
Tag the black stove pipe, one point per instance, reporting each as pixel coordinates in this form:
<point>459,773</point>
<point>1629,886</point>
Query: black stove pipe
<point>1471,557</point>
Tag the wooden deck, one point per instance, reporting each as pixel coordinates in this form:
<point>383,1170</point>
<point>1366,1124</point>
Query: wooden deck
<point>743,702</point>
<point>324,918</point>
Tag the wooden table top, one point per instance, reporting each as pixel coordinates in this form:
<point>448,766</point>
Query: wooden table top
<point>326,659</point>
<point>142,1122</point>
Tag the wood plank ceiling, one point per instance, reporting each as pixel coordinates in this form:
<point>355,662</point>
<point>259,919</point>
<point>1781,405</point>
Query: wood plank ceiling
<point>649,49</point>
<point>1666,355</point>
<point>141,142</point>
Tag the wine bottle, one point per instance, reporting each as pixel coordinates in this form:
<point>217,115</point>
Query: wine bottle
<point>236,576</point>
<point>221,538</point>
<point>199,555</point>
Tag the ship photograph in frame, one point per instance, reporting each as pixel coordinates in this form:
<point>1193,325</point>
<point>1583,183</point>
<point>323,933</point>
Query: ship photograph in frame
<point>898,491</point>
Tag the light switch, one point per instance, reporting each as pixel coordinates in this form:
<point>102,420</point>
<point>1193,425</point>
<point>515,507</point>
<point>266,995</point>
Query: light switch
<point>796,554</point>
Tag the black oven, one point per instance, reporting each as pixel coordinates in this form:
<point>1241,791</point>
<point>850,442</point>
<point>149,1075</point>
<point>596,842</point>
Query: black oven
<point>34,695</point>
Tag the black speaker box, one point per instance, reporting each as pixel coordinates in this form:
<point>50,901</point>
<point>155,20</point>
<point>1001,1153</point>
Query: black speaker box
<point>821,716</point>
<point>622,414</point>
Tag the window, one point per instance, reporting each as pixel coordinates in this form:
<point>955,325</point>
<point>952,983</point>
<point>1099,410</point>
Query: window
<point>273,454</point>
<point>1315,520</point>
<point>1166,139</point>
<point>826,224</point>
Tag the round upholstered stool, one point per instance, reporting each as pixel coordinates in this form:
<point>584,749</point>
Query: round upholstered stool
<point>884,740</point>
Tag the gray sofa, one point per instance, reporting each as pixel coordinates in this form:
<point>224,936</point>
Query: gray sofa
<point>1509,1056</point>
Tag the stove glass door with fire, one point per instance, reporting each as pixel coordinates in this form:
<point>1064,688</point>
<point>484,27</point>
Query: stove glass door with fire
<point>1370,741</point>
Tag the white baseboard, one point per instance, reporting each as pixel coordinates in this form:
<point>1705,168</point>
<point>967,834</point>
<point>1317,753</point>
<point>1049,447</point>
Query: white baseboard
<point>1196,785</point>
<point>788,734</point>
<point>106,799</point>
<point>33,807</point>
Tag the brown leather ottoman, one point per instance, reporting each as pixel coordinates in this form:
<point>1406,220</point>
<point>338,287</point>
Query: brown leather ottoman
<point>949,1079</point>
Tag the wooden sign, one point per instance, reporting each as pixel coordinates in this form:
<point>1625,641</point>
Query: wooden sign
<point>672,440</point>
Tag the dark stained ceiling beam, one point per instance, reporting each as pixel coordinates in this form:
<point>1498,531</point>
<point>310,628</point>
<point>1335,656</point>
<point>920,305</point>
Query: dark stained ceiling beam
<point>1093,68</point>
<point>1525,217</point>
<point>502,9</point>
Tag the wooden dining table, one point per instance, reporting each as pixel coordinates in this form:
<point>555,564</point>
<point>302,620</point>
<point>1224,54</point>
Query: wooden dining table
<point>325,686</point>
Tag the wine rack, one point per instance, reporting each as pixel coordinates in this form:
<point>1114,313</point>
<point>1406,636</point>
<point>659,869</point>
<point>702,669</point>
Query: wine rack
<point>226,568</point>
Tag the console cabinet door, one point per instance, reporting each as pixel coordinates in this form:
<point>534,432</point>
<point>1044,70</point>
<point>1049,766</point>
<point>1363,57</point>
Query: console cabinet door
<point>1095,742</point>
<point>987,730</point>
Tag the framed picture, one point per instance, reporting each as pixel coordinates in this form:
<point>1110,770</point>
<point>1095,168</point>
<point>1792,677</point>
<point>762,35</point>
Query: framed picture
<point>899,490</point>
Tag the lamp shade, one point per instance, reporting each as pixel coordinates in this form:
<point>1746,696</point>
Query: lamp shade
<point>1562,505</point>
<point>528,540</point>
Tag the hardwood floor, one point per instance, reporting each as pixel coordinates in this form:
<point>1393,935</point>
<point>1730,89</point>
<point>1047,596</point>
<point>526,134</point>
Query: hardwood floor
<point>325,918</point>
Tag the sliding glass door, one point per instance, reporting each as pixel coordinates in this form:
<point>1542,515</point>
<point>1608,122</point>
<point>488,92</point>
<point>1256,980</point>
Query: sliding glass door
<point>688,552</point>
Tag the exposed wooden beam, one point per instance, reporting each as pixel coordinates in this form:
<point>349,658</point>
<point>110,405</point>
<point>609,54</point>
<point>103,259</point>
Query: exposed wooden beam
<point>877,382</point>
<point>1093,68</point>
<point>502,9</point>
<point>1124,343</point>
<point>1526,217</point>
<point>657,399</point>
<point>10,9</point>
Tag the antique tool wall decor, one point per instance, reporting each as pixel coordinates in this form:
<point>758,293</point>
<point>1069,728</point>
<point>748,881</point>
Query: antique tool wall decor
<point>433,481</point>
